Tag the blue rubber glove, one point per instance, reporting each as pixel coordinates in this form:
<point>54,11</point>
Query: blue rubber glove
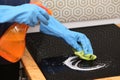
<point>29,14</point>
<point>78,41</point>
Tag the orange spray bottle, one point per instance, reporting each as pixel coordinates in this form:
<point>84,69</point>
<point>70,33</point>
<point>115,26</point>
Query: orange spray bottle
<point>12,43</point>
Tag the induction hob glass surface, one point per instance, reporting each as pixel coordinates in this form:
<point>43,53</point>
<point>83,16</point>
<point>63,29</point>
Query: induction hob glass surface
<point>50,52</point>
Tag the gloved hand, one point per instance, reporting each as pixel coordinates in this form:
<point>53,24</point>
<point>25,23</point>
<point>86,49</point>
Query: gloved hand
<point>29,14</point>
<point>78,41</point>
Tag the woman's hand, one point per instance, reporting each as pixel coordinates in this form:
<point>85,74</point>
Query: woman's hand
<point>78,41</point>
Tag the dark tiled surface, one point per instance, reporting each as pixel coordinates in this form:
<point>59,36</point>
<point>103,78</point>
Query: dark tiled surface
<point>49,52</point>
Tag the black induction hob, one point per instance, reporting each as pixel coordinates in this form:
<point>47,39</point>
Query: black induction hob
<point>49,52</point>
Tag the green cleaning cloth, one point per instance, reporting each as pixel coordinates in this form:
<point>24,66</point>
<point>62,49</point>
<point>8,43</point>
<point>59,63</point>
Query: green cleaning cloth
<point>83,56</point>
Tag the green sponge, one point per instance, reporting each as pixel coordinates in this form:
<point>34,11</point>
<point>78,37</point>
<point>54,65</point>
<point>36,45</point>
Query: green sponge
<point>87,57</point>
